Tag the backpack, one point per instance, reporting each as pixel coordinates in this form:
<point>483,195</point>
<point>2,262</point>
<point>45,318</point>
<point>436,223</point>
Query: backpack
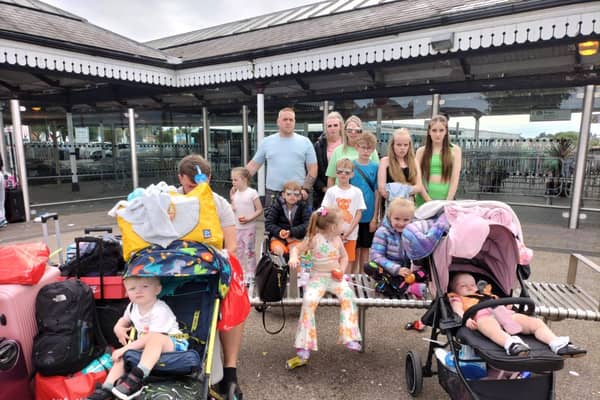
<point>68,335</point>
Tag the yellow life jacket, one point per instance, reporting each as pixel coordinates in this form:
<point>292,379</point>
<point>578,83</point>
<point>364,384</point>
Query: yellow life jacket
<point>206,230</point>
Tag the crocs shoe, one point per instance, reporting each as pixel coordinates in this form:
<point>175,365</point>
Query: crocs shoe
<point>295,362</point>
<point>570,350</point>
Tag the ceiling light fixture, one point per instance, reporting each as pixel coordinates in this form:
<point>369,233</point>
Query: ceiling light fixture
<point>588,48</point>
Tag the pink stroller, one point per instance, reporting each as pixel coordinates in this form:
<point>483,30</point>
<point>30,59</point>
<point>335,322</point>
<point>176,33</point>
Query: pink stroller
<point>485,240</point>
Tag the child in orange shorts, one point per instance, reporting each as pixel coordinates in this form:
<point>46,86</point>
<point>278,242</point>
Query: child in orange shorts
<point>286,219</point>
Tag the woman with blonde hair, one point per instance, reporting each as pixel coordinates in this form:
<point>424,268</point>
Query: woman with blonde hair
<point>331,139</point>
<point>400,165</point>
<point>352,129</point>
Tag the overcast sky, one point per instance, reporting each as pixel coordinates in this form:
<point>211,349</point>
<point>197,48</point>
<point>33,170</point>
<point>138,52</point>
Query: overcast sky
<point>145,20</point>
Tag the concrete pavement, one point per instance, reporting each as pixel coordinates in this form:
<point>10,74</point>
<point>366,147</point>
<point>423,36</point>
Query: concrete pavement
<point>378,373</point>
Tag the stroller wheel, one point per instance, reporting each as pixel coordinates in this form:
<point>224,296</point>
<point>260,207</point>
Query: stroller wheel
<point>413,372</point>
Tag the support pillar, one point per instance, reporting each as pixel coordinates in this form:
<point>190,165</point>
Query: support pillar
<point>435,104</point>
<point>325,113</point>
<point>582,146</point>
<point>3,147</point>
<point>72,154</point>
<point>205,132</point>
<point>20,155</point>
<point>132,146</point>
<point>476,131</point>
<point>244,134</point>
<point>260,133</point>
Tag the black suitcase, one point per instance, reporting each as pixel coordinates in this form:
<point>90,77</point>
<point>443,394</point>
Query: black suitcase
<point>14,205</point>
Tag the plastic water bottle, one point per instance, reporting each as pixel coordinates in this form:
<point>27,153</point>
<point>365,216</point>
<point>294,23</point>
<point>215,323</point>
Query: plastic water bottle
<point>305,268</point>
<point>471,369</point>
<point>104,362</point>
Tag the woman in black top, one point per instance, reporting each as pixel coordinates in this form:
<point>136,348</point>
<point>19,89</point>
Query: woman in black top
<point>324,146</point>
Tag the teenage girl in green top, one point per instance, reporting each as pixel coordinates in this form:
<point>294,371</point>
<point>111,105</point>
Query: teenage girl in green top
<point>440,162</point>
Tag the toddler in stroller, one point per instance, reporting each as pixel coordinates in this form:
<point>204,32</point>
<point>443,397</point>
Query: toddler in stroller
<point>501,324</point>
<point>159,333</point>
<point>483,242</point>
<point>192,279</point>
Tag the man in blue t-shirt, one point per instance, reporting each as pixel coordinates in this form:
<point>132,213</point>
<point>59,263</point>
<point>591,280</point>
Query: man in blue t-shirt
<point>289,157</point>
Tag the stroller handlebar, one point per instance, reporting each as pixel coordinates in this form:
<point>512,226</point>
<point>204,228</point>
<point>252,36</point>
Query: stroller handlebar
<point>529,308</point>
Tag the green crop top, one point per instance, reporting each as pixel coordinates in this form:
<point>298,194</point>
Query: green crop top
<point>435,168</point>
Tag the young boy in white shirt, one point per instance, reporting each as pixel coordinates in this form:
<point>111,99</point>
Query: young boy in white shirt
<point>349,199</point>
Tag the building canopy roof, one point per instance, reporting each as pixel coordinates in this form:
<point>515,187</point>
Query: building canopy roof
<point>37,22</point>
<point>332,22</point>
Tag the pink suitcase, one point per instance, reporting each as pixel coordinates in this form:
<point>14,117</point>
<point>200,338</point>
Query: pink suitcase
<point>17,311</point>
<point>17,302</point>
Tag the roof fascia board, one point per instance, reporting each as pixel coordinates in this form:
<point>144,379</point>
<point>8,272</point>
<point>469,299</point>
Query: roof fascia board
<point>45,58</point>
<point>530,27</point>
<point>542,25</point>
<point>94,51</point>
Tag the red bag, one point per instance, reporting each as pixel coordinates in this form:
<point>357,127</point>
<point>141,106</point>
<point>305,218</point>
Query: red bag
<point>23,263</point>
<point>72,387</point>
<point>235,307</point>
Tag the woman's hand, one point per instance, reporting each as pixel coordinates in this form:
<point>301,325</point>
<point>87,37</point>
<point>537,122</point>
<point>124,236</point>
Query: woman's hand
<point>403,271</point>
<point>243,219</point>
<point>284,234</point>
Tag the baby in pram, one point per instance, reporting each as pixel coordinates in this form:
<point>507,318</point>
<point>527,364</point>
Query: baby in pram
<point>501,324</point>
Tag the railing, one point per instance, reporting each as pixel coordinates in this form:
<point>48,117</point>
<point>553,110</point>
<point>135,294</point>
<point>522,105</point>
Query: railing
<point>507,170</point>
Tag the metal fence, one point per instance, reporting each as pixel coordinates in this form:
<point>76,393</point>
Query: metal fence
<point>519,170</point>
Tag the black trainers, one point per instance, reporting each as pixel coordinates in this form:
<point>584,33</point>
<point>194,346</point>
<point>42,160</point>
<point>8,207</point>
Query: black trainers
<point>100,394</point>
<point>518,349</point>
<point>570,350</point>
<point>130,386</point>
<point>233,391</point>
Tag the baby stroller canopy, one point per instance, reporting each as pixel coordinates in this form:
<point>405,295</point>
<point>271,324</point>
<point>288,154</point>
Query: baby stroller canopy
<point>180,262</point>
<point>497,259</point>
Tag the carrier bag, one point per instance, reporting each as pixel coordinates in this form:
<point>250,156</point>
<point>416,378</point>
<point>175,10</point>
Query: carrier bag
<point>77,386</point>
<point>235,307</point>
<point>23,263</point>
<point>68,336</point>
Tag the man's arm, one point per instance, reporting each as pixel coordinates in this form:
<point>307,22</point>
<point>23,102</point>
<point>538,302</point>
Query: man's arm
<point>252,167</point>
<point>309,180</point>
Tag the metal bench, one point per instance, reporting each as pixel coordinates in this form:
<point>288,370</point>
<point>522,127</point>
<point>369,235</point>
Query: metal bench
<point>558,301</point>
<point>364,293</point>
<point>554,301</point>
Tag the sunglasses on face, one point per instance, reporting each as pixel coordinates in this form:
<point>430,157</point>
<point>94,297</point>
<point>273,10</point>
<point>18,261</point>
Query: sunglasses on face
<point>290,193</point>
<point>354,130</point>
<point>343,171</point>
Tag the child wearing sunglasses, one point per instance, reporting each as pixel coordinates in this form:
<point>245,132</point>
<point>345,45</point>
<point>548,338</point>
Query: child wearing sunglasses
<point>286,219</point>
<point>349,199</point>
